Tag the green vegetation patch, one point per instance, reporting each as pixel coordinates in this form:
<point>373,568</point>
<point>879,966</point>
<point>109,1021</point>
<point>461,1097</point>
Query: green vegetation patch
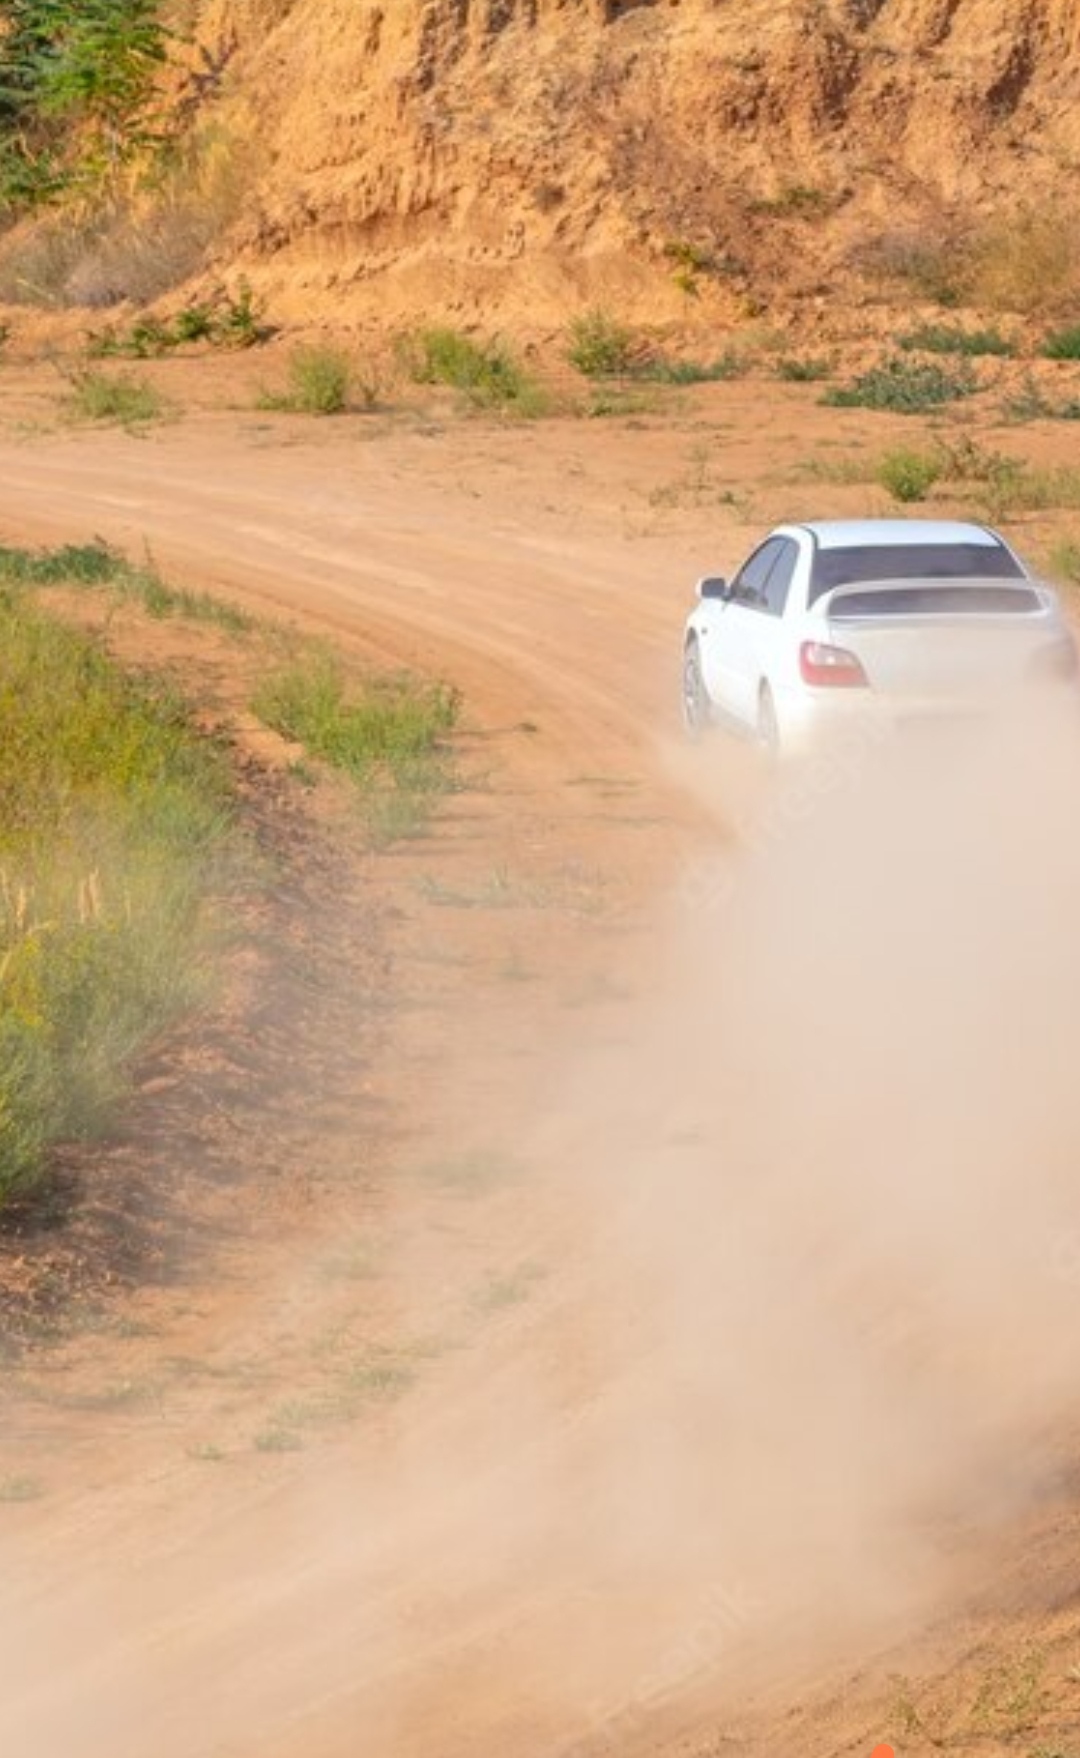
<point>953,339</point>
<point>904,386</point>
<point>319,383</point>
<point>229,321</point>
<point>388,734</point>
<point>114,823</point>
<point>487,372</point>
<point>909,475</point>
<point>1063,344</point>
<point>97,564</point>
<point>121,399</point>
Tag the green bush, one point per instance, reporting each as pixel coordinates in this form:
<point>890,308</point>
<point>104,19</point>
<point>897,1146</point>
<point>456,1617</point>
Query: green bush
<point>909,475</point>
<point>486,372</point>
<point>952,339</point>
<point>122,398</point>
<point>1063,344</point>
<point>599,346</point>
<point>803,372</point>
<point>904,387</point>
<point>320,379</point>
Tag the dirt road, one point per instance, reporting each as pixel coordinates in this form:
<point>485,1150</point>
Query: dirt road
<point>432,1469</point>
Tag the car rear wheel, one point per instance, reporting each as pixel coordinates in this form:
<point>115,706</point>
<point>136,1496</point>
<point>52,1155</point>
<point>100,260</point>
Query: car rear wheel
<point>768,729</point>
<point>695,697</point>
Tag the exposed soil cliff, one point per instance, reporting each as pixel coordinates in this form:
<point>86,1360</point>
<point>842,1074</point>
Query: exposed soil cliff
<point>518,157</point>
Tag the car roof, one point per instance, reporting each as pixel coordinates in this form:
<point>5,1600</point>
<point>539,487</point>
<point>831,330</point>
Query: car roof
<point>852,533</point>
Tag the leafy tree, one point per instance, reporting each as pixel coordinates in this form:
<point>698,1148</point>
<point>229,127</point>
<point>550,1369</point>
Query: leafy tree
<point>77,82</point>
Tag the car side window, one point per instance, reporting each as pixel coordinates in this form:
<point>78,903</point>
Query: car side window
<point>748,586</point>
<point>778,584</point>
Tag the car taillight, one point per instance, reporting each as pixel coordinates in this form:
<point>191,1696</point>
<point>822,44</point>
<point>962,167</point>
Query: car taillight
<point>831,668</point>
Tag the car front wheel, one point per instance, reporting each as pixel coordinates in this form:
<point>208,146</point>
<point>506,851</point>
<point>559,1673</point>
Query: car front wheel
<point>768,729</point>
<point>695,698</point>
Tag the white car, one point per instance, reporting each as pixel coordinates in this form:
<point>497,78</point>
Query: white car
<point>903,619</point>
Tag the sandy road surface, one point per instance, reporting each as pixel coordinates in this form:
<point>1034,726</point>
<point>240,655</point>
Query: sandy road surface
<point>529,1547</point>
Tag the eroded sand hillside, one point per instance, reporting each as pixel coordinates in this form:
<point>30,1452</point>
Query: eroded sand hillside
<point>515,157</point>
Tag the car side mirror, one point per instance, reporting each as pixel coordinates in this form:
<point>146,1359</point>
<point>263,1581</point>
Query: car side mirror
<point>713,586</point>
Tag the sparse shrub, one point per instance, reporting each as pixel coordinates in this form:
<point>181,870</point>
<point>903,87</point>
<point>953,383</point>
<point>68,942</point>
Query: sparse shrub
<point>124,398</point>
<point>600,346</point>
<point>927,258</point>
<point>1031,403</point>
<point>952,339</point>
<point>803,372</point>
<point>487,373</point>
<point>319,383</point>
<point>662,371</point>
<point>965,460</point>
<point>904,387</point>
<point>794,200</point>
<point>908,475</point>
<point>1063,344</point>
<point>1024,261</point>
<point>1065,560</point>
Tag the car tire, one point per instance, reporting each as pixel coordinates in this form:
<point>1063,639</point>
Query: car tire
<point>696,713</point>
<point>768,727</point>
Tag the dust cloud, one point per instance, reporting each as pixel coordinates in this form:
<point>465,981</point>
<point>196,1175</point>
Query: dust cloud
<point>814,1224</point>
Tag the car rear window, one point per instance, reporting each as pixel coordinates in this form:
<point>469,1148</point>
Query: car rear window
<point>862,564</point>
<point>929,601</point>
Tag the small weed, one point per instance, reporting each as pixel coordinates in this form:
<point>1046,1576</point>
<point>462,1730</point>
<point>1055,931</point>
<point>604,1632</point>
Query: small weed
<point>123,399</point>
<point>847,470</point>
<point>616,400</point>
<point>18,1487</point>
<point>486,373</point>
<point>1016,488</point>
<point>796,200</point>
<point>498,892</point>
<point>904,387</point>
<point>1011,1696</point>
<point>472,1172</point>
<point>809,371</point>
<point>382,1375</point>
<point>1063,344</point>
<point>908,475</point>
<point>662,371</point>
<point>599,346</point>
<point>320,381</point>
<point>509,1289</point>
<point>952,339</point>
<point>1031,403</point>
<point>277,1439</point>
<point>207,1453</point>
